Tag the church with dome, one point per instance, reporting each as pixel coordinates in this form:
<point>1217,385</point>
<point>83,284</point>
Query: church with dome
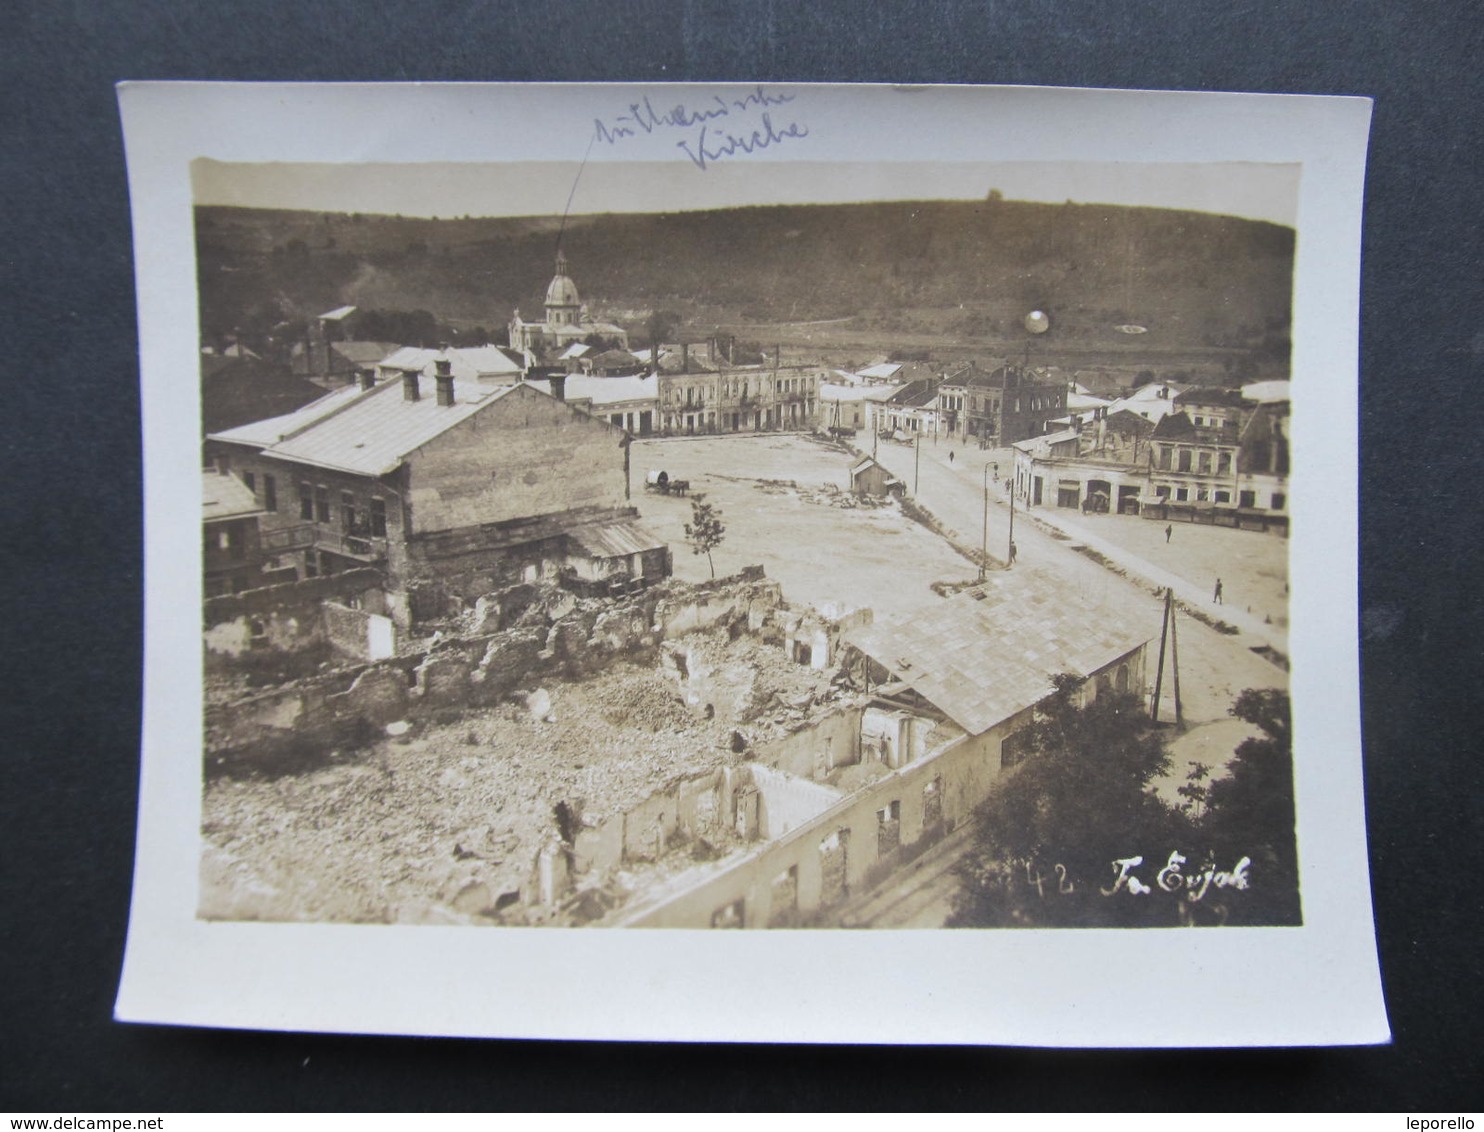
<point>566,322</point>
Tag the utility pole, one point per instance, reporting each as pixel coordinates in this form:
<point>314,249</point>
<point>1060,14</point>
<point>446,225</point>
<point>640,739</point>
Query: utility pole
<point>1159,671</point>
<point>984,545</point>
<point>1010,549</point>
<point>1175,662</point>
<point>916,460</point>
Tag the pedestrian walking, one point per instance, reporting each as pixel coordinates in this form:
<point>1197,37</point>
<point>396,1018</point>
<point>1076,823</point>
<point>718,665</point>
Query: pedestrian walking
<point>1168,529</point>
<point>950,455</point>
<point>1216,597</point>
<point>1014,550</point>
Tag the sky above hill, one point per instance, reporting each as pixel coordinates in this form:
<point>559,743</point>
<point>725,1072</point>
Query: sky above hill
<point>446,189</point>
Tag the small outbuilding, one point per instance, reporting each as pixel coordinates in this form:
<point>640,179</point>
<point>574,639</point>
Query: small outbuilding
<point>870,478</point>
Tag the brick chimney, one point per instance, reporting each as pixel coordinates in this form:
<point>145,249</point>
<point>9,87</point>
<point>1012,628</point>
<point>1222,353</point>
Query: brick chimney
<point>444,377</point>
<point>559,386</point>
<point>410,385</point>
<point>366,377</point>
<point>684,359</point>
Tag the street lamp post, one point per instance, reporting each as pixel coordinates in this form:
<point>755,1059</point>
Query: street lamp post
<point>916,460</point>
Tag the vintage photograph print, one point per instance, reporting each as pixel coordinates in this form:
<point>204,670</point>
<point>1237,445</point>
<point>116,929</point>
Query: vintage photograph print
<point>877,547</point>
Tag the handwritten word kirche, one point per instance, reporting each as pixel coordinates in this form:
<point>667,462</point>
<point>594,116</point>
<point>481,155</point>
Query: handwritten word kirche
<point>716,129</point>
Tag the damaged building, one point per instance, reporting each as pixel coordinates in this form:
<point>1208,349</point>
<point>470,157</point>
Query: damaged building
<point>692,756</point>
<point>450,487</point>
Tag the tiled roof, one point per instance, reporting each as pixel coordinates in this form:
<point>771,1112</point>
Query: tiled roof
<point>225,497</point>
<point>991,651</point>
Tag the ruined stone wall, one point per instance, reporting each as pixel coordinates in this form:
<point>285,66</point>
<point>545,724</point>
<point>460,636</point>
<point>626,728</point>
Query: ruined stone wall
<point>285,618</point>
<point>535,640</point>
<point>811,752</point>
<point>957,775</point>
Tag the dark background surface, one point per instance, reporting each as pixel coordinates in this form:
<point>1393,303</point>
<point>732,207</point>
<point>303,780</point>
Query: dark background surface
<point>72,541</point>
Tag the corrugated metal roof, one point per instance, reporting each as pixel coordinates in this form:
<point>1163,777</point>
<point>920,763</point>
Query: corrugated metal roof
<point>225,497</point>
<point>615,540</point>
<point>990,652</point>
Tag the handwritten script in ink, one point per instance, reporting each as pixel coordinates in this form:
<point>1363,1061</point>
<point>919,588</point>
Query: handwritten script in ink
<point>1172,878</point>
<point>713,130</point>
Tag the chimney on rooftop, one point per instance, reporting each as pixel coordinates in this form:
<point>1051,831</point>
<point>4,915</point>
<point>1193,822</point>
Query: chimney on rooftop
<point>366,378</point>
<point>410,389</point>
<point>443,375</point>
<point>684,359</point>
<point>559,386</point>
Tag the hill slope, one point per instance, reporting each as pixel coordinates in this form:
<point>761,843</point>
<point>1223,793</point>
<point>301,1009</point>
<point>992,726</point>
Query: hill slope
<point>1194,279</point>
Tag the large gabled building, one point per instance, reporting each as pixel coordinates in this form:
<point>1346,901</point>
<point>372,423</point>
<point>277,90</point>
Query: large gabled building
<point>451,487</point>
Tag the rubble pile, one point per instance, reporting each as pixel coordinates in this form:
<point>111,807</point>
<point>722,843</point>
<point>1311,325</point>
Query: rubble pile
<point>441,821</point>
<point>821,495</point>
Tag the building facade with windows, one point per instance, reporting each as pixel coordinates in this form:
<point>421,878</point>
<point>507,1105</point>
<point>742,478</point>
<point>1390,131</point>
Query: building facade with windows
<point>701,397</point>
<point>999,408</point>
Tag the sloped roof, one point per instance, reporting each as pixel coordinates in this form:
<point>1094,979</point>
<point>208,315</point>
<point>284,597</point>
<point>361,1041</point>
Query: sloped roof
<point>576,350</point>
<point>337,314</point>
<point>225,497</point>
<point>1230,398</point>
<point>372,431</point>
<point>364,353</point>
<point>271,430</point>
<point>605,390</point>
<point>885,371</point>
<point>614,359</point>
<point>1265,391</point>
<point>615,540</point>
<point>1041,445</point>
<point>991,651</point>
<point>467,362</point>
<point>914,394</point>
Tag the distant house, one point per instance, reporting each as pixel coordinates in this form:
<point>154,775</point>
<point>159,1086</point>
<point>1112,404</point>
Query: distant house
<point>466,363</point>
<point>451,487</point>
<point>702,392</point>
<point>849,408</point>
<point>232,556</point>
<point>1005,405</point>
<point>911,410</point>
<point>630,403</point>
<point>870,478</point>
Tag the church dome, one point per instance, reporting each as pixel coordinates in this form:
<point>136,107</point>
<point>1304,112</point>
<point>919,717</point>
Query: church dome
<point>562,292</point>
